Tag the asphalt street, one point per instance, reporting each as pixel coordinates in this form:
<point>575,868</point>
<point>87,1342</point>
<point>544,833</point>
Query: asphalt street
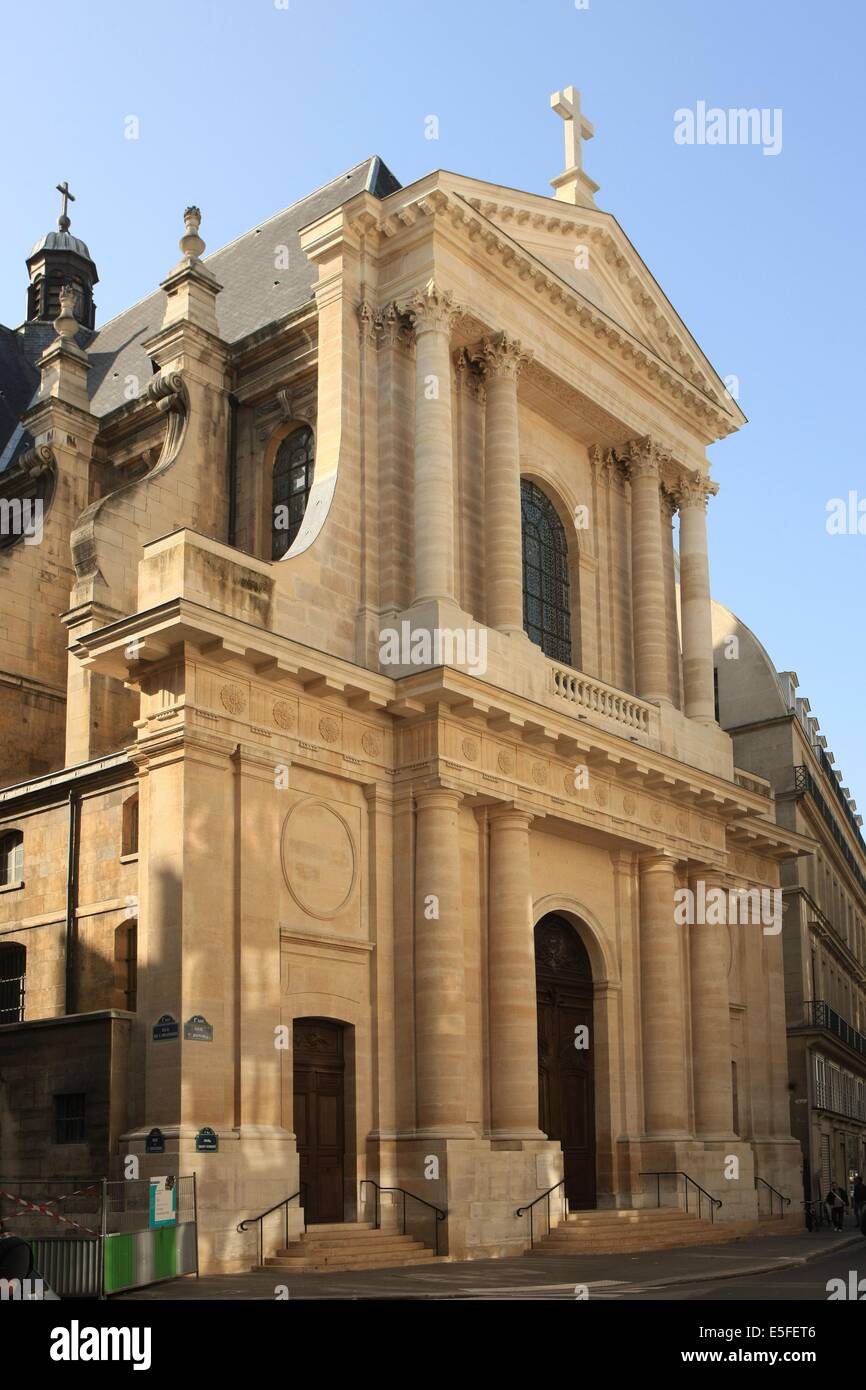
<point>795,1267</point>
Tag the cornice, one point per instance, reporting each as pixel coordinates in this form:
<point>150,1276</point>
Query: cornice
<point>693,391</point>
<point>589,231</point>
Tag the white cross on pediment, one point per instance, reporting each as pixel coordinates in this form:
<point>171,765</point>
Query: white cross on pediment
<point>577,128</point>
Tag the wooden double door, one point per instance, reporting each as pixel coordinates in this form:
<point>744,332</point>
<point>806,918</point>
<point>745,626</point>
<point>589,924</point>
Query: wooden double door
<point>566,1045</point>
<point>320,1122</point>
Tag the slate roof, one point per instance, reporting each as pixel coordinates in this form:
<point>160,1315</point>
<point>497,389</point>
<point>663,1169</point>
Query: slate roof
<point>254,293</point>
<point>18,382</point>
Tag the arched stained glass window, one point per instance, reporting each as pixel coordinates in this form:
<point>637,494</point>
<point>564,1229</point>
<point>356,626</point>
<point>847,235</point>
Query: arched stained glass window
<point>290,489</point>
<point>546,598</point>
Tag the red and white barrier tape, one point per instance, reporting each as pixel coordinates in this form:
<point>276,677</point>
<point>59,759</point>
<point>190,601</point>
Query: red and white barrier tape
<point>44,1208</point>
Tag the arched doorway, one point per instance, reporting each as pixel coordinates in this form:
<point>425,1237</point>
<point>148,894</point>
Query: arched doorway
<point>566,1092</point>
<point>319,1116</point>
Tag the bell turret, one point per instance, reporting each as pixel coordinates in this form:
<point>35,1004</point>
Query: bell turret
<point>57,260</point>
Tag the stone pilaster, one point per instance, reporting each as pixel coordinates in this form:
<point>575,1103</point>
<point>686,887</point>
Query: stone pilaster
<point>440,1007</point>
<point>648,579</point>
<point>502,359</point>
<point>511,975</point>
<point>257,944</point>
<point>697,624</point>
<point>666,1107</point>
<point>711,1019</point>
<point>432,312</point>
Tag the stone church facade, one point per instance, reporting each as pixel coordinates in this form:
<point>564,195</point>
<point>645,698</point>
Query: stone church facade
<point>350,703</point>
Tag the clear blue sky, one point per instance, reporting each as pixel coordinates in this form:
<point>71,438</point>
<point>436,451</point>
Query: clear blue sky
<point>244,107</point>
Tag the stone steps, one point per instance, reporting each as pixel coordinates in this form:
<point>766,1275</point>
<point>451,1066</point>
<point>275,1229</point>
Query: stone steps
<point>337,1248</point>
<point>627,1232</point>
<point>781,1225</point>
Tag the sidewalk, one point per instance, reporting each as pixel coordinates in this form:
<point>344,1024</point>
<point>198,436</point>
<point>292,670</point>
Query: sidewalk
<point>484,1277</point>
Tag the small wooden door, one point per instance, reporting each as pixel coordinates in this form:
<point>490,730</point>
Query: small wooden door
<point>319,1116</point>
<point>566,1092</point>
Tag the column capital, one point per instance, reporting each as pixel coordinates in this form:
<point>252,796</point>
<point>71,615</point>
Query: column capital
<point>670,503</point>
<point>510,813</point>
<point>644,457</point>
<point>432,309</point>
<point>715,874</point>
<point>502,356</point>
<point>438,798</point>
<point>694,490</point>
<point>658,859</point>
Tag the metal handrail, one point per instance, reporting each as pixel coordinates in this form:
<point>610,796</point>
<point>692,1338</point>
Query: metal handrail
<point>677,1173</point>
<point>529,1205</point>
<point>377,1224</point>
<point>248,1221</point>
<point>774,1191</point>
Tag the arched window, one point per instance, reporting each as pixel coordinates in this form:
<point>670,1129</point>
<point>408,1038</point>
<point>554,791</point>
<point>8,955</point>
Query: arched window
<point>546,598</point>
<point>290,488</point>
<point>13,971</point>
<point>11,858</point>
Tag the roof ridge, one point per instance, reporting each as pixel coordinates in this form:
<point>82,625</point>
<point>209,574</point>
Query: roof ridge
<point>347,173</point>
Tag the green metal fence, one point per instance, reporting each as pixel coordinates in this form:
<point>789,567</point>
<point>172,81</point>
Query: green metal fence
<point>91,1238</point>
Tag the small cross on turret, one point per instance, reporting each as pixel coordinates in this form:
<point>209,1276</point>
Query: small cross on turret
<point>63,219</point>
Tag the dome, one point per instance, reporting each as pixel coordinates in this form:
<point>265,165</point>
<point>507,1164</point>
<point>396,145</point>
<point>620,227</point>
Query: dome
<point>61,241</point>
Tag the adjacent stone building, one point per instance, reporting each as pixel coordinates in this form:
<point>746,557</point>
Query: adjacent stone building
<point>353,752</point>
<point>776,736</point>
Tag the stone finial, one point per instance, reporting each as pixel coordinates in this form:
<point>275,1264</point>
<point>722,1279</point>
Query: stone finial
<point>191,243</point>
<point>66,325</point>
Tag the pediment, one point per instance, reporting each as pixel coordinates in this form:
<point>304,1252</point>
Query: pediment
<point>588,251</point>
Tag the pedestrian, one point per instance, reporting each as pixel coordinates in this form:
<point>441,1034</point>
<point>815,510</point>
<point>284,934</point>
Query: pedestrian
<point>836,1201</point>
<point>859,1196</point>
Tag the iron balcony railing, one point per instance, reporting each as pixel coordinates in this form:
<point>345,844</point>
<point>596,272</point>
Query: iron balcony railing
<point>840,796</point>
<point>818,1014</point>
<point>805,782</point>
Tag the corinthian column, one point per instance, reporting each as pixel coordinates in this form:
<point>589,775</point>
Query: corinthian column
<point>711,1020</point>
<point>432,313</point>
<point>668,509</point>
<point>648,575</point>
<point>440,996</point>
<point>502,358</point>
<point>698,691</point>
<point>511,967</point>
<point>662,1001</point>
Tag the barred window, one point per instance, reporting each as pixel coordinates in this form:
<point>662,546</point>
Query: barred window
<point>546,598</point>
<point>69,1118</point>
<point>13,972</point>
<point>290,488</point>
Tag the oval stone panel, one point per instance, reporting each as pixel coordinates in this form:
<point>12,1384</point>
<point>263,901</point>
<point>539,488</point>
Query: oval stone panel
<point>318,858</point>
